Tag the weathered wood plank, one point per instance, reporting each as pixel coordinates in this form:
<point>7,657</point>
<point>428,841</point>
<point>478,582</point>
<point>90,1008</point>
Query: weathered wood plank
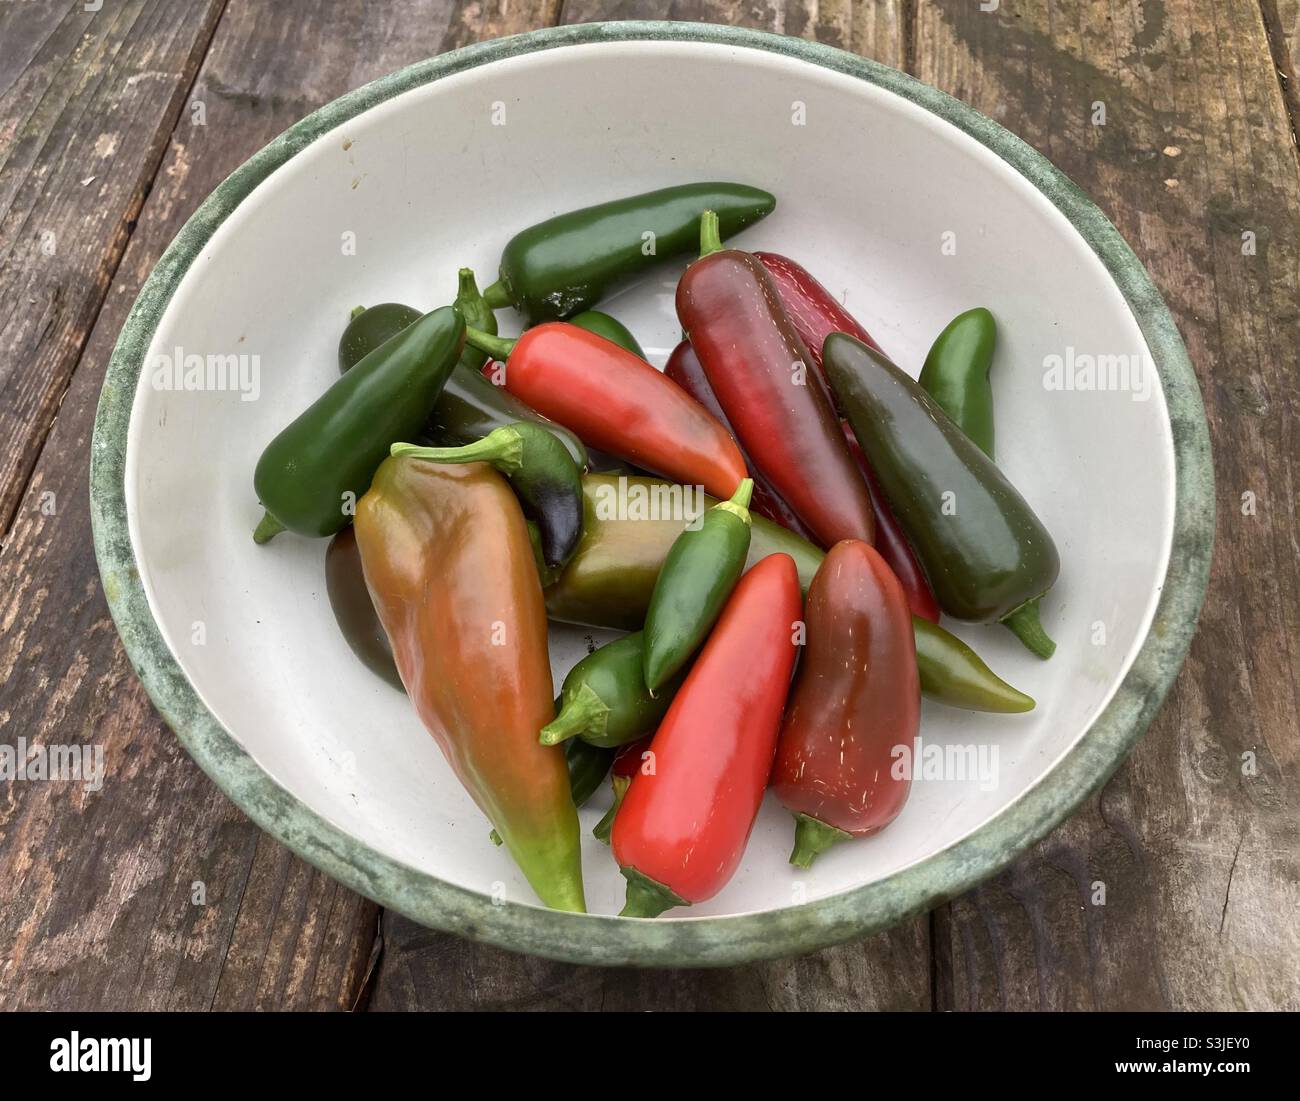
<point>1282,22</point>
<point>874,28</point>
<point>85,124</point>
<point>96,890</point>
<point>1199,855</point>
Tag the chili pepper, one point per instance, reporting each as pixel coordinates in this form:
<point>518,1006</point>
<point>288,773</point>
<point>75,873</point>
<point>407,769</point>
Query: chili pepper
<point>856,700</point>
<point>892,543</point>
<point>956,374</point>
<point>680,833</point>
<point>368,328</point>
<point>313,472</point>
<point>684,368</point>
<point>628,760</point>
<point>610,578</point>
<point>588,765</point>
<point>816,312</point>
<point>702,567</point>
<point>566,264</point>
<point>447,561</point>
<point>758,368</point>
<point>541,472</point>
<point>988,557</point>
<point>618,403</point>
<point>604,700</point>
<point>611,328</point>
<point>353,609</point>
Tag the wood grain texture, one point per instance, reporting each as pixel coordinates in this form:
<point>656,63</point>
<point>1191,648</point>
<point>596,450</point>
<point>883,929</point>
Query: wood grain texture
<point>1200,856</point>
<point>89,101</point>
<point>874,28</point>
<point>96,890</point>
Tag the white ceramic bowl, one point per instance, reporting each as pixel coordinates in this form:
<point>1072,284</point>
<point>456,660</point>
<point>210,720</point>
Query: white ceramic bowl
<point>908,205</point>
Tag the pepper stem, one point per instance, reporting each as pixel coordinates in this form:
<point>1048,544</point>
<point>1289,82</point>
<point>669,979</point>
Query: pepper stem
<point>739,503</point>
<point>267,528</point>
<point>498,347</point>
<point>357,311</point>
<point>466,284</point>
<point>710,233</point>
<point>811,838</point>
<point>1026,626</point>
<point>605,826</point>
<point>497,296</point>
<point>583,711</point>
<point>502,447</point>
<point>645,897</point>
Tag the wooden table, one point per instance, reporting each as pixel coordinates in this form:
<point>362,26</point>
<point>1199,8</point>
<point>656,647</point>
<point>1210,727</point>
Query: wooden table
<point>115,124</point>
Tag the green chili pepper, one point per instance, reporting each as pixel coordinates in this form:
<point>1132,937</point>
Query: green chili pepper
<point>956,374</point>
<point>353,609</point>
<point>542,474</point>
<point>313,473</point>
<point>602,829</point>
<point>566,264</point>
<point>610,578</point>
<point>604,699</point>
<point>369,328</point>
<point>611,328</point>
<point>986,554</point>
<point>588,766</point>
<point>698,575</point>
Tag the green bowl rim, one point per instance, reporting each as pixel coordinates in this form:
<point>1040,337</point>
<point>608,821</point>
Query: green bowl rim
<point>705,941</point>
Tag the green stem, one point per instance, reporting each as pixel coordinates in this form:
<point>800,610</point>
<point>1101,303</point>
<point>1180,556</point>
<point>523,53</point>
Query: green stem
<point>583,711</point>
<point>498,347</point>
<point>466,284</point>
<point>710,233</point>
<point>812,838</point>
<point>645,897</point>
<point>605,826</point>
<point>1026,626</point>
<point>497,296</point>
<point>739,503</point>
<point>357,311</point>
<point>268,527</point>
<point>502,447</point>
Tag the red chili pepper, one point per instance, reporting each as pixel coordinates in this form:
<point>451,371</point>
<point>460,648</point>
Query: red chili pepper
<point>892,543</point>
<point>816,312</point>
<point>627,761</point>
<point>763,376</point>
<point>855,708</point>
<point>682,828</point>
<point>617,402</point>
<point>684,368</point>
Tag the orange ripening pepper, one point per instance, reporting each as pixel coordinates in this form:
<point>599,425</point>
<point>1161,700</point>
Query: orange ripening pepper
<point>450,569</point>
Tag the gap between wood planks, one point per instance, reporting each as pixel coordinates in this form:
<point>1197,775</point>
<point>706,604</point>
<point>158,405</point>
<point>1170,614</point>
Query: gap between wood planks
<point>1283,65</point>
<point>169,123</point>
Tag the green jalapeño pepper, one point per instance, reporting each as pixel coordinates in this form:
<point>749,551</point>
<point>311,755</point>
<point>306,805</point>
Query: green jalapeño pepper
<point>312,474</point>
<point>370,327</point>
<point>626,538</point>
<point>956,374</point>
<point>447,561</point>
<point>543,475</point>
<point>604,699</point>
<point>568,263</point>
<point>698,575</point>
<point>988,557</point>
<point>611,328</point>
<point>588,766</point>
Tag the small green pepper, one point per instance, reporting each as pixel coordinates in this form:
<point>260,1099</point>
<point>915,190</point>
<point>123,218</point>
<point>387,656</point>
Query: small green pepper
<point>541,472</point>
<point>588,766</point>
<point>956,374</point>
<point>697,578</point>
<point>604,700</point>
<point>369,327</point>
<point>611,328</point>
<point>566,264</point>
<point>986,554</point>
<point>311,476</point>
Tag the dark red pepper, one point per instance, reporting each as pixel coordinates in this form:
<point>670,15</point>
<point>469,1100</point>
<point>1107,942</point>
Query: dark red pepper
<point>684,368</point>
<point>892,543</point>
<point>773,395</point>
<point>816,312</point>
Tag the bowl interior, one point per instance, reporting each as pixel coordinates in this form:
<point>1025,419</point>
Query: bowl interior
<point>904,216</point>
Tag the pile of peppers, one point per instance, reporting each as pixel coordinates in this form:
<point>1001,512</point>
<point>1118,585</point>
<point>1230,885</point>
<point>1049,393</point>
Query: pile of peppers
<point>779,633</point>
